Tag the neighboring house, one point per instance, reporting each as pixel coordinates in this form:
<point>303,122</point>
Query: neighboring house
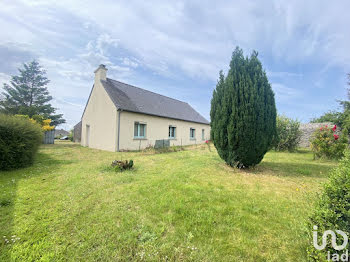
<point>77,133</point>
<point>119,116</point>
<point>60,132</point>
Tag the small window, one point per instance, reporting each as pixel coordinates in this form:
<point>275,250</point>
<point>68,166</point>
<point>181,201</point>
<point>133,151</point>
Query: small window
<point>139,130</point>
<point>172,131</point>
<point>203,134</point>
<point>192,133</point>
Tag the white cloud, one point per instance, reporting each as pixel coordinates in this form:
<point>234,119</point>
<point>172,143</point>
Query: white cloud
<point>282,74</point>
<point>4,78</point>
<point>173,38</point>
<point>284,93</point>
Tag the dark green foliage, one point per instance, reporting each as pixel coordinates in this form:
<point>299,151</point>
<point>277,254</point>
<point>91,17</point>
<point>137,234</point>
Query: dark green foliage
<point>332,211</point>
<point>243,112</point>
<point>120,165</point>
<point>27,94</point>
<point>19,141</point>
<point>288,134</point>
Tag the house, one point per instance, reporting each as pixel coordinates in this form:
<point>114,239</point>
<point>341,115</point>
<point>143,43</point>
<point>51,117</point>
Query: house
<point>77,133</point>
<point>61,132</point>
<point>119,116</point>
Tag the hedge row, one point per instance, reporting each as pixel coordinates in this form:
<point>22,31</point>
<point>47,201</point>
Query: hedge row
<point>19,141</point>
<point>332,211</point>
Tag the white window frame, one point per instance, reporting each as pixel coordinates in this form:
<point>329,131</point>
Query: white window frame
<point>169,132</point>
<point>139,124</point>
<point>194,133</point>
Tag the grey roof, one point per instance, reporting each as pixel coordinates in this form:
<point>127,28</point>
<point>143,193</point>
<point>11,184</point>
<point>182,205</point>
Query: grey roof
<point>134,99</point>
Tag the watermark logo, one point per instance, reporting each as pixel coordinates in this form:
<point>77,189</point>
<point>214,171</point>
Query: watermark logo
<point>335,256</point>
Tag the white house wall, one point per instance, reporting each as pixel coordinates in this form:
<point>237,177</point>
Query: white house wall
<point>158,128</point>
<point>101,115</point>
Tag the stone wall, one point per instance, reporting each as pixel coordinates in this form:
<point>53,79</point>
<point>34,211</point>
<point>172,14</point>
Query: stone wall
<point>307,130</point>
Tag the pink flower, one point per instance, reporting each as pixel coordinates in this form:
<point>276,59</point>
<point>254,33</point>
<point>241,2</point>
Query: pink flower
<point>206,141</point>
<point>334,128</point>
<point>336,137</point>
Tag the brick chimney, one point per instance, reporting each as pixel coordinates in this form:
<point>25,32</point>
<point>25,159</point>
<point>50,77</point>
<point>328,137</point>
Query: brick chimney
<point>101,73</point>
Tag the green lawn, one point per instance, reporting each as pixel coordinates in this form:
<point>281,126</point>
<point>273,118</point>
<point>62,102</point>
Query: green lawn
<point>183,206</point>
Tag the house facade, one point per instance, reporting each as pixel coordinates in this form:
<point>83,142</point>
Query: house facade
<point>119,117</point>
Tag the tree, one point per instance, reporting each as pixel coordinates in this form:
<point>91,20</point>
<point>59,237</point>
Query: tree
<point>340,118</point>
<point>243,112</point>
<point>27,94</point>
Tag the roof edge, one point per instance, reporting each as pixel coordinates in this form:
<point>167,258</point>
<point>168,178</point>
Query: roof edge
<point>87,102</point>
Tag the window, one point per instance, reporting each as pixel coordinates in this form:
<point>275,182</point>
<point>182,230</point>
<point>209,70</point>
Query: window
<point>192,133</point>
<point>139,130</point>
<point>203,134</point>
<point>172,131</point>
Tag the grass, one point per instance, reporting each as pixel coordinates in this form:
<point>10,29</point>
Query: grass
<point>183,206</point>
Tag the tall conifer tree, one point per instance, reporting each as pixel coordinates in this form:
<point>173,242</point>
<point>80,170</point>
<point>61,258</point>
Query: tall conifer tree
<point>27,94</point>
<point>243,112</point>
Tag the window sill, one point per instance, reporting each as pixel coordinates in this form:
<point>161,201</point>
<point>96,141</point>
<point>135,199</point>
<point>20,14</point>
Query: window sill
<point>193,139</point>
<point>140,138</point>
<point>172,138</point>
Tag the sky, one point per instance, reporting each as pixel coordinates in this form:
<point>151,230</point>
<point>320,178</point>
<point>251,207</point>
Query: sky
<point>177,48</point>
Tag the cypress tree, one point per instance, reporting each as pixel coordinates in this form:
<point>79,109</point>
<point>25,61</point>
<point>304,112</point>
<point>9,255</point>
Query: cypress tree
<point>243,112</point>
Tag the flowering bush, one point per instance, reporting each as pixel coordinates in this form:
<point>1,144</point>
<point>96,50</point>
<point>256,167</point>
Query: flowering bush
<point>328,142</point>
<point>45,123</point>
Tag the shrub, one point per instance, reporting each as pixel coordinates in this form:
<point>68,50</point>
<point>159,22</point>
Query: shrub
<point>332,211</point>
<point>45,123</point>
<point>71,135</point>
<point>243,112</point>
<point>288,134</point>
<point>120,165</point>
<point>19,141</point>
<point>328,143</point>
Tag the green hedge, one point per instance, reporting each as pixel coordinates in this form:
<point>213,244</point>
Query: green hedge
<point>332,210</point>
<point>19,141</point>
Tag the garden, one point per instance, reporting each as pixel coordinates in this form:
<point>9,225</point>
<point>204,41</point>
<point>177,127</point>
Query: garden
<point>248,194</point>
<point>186,205</point>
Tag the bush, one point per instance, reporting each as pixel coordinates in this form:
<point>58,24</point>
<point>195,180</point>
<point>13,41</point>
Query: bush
<point>19,141</point>
<point>328,143</point>
<point>288,134</point>
<point>71,135</point>
<point>243,112</point>
<point>332,210</point>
